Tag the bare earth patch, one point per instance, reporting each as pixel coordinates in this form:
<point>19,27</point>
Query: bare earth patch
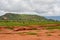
<point>31,35</point>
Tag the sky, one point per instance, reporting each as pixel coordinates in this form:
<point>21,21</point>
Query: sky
<point>39,7</point>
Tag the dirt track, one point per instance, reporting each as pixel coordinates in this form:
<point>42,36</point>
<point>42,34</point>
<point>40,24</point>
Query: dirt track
<point>27,37</point>
<point>41,35</point>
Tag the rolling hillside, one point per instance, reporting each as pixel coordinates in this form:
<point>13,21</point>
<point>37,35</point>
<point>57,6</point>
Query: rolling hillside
<point>10,19</point>
<point>23,17</point>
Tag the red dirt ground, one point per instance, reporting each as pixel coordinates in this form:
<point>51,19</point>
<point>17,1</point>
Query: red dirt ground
<point>41,35</point>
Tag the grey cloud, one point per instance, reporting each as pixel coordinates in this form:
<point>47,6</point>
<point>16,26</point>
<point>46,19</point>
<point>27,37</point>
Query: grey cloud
<point>15,7</point>
<point>38,6</point>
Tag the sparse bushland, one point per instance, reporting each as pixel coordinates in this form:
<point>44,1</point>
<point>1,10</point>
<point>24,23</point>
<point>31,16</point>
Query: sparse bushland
<point>10,20</point>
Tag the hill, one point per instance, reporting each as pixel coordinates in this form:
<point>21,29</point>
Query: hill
<point>53,17</point>
<point>23,17</point>
<point>11,19</point>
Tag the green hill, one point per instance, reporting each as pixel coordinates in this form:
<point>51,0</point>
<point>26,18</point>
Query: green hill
<point>11,19</point>
<point>23,17</point>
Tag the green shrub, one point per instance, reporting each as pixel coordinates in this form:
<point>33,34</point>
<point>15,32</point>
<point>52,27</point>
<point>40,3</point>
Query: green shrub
<point>31,33</point>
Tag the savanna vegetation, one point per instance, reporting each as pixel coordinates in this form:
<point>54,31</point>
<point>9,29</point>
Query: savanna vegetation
<point>10,19</point>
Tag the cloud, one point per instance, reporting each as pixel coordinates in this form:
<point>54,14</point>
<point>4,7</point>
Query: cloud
<point>2,12</point>
<point>41,7</point>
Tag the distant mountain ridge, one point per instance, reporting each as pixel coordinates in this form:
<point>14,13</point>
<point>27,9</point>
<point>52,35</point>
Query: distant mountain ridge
<point>23,17</point>
<point>53,17</point>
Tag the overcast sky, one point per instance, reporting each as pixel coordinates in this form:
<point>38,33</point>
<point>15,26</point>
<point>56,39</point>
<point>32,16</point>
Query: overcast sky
<point>40,7</point>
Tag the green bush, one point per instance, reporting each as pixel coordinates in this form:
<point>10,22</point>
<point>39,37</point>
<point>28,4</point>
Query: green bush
<point>31,33</point>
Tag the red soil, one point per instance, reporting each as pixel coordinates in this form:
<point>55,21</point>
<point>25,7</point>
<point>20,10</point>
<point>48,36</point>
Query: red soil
<point>41,35</point>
